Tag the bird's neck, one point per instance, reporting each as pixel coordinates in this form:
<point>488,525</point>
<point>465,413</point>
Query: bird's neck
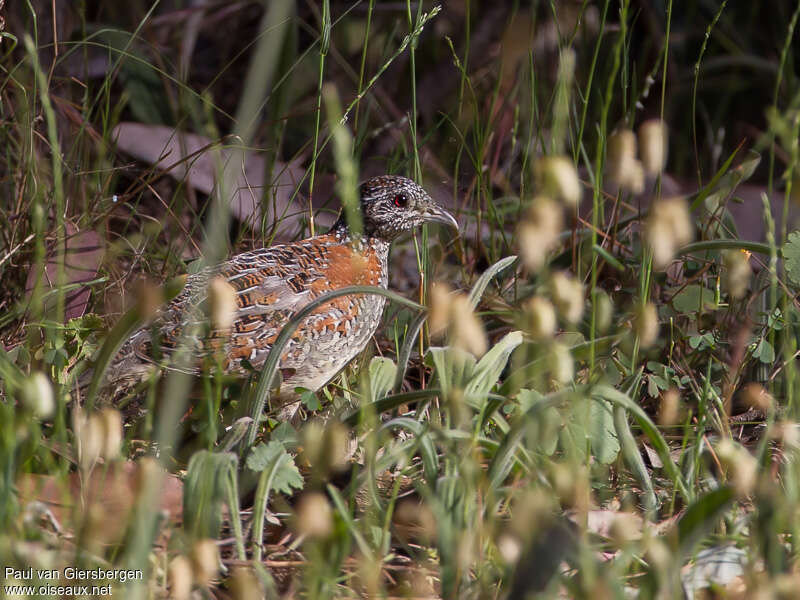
<point>366,240</point>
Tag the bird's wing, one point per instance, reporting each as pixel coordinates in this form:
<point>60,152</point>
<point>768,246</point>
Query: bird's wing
<point>269,284</point>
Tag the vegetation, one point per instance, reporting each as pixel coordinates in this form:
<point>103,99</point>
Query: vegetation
<point>602,400</point>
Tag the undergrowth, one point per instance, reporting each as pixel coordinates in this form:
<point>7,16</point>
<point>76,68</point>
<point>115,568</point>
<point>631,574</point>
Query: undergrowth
<point>590,391</point>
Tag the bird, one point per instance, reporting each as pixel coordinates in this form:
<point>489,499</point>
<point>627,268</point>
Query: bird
<point>269,285</point>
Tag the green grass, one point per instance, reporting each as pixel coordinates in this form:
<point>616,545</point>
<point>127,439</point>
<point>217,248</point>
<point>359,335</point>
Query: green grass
<point>602,444</point>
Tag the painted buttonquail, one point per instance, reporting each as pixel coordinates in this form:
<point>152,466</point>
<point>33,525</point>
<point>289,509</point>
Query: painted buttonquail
<point>271,284</point>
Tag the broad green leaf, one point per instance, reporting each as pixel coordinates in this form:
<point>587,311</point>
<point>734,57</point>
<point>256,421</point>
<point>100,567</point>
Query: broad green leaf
<point>285,434</point>
<point>633,457</point>
<point>764,352</point>
<point>791,257</point>
<point>454,367</point>
<point>547,424</point>
<point>382,372</point>
<point>273,455</point>
<point>605,444</point>
<point>309,399</point>
<point>702,517</point>
<point>489,368</point>
<point>651,431</point>
<point>693,298</point>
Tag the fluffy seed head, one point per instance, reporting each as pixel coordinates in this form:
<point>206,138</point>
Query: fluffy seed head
<point>668,228</point>
<point>560,363</point>
<point>558,177</point>
<point>736,273</point>
<point>37,395</point>
<point>440,302</point>
<point>625,528</point>
<point>467,331</point>
<point>222,303</point>
<point>755,396</point>
<point>653,144</point>
<point>414,520</point>
<point>91,436</point>
<point>314,517</point>
<point>646,325</point>
<point>541,318</point>
<point>669,408</point>
<point>179,576</point>
<point>567,294</point>
<point>623,167</point>
<point>742,466</point>
<point>509,547</point>
<point>205,561</point>
<point>245,585</point>
<point>538,232</point>
<point>604,311</point>
<point>111,421</point>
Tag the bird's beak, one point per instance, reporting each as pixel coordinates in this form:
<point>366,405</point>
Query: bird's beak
<point>434,214</point>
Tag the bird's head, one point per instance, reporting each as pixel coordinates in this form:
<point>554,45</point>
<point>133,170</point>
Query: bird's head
<point>391,205</point>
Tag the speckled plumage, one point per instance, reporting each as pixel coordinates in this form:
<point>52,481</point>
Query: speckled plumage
<point>271,284</point>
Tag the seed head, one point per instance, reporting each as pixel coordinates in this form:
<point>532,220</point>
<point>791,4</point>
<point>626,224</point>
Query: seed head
<point>742,466</point>
<point>560,363</point>
<point>653,146</point>
<point>111,421</point>
<point>205,561</point>
<point>541,317</point>
<point>668,228</point>
<point>755,396</point>
<point>567,294</point>
<point>538,233</point>
<point>180,578</point>
<point>37,395</point>
<point>222,304</point>
<point>646,324</point>
<point>245,585</point>
<point>623,167</point>
<point>314,516</point>
<point>558,177</point>
<point>467,330</point>
<point>604,311</point>
<point>91,436</point>
<point>440,302</point>
<point>736,273</point>
<point>669,408</point>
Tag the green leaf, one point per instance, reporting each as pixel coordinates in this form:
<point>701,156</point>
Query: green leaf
<point>699,342</point>
<point>605,444</point>
<point>479,288</point>
<point>273,455</point>
<point>204,492</point>
<point>693,298</point>
<point>382,372</point>
<point>764,352</point>
<point>731,180</point>
<point>489,368</point>
<point>309,399</point>
<point>285,434</point>
<point>702,517</point>
<point>651,431</point>
<point>548,423</point>
<point>454,367</point>
<point>791,257</point>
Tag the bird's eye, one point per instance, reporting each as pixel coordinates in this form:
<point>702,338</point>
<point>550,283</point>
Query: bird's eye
<point>400,200</point>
